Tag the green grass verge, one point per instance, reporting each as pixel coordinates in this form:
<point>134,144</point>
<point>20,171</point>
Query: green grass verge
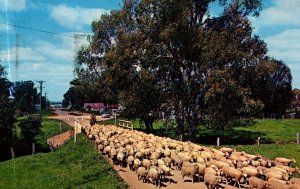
<point>71,166</point>
<point>276,130</point>
<point>50,128</point>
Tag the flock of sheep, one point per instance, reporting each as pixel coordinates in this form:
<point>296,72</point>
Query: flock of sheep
<point>154,158</point>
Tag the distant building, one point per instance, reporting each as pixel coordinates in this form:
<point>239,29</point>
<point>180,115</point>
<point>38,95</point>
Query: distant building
<point>93,106</point>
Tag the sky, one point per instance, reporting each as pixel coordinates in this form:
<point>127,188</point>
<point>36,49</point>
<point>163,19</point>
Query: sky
<point>49,56</point>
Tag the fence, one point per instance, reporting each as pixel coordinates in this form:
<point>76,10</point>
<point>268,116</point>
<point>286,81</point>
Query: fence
<point>126,124</point>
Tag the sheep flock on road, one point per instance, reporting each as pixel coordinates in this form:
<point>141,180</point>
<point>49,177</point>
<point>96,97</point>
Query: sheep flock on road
<point>154,159</point>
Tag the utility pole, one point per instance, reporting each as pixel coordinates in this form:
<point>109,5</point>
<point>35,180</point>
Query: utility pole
<point>46,103</point>
<point>41,93</point>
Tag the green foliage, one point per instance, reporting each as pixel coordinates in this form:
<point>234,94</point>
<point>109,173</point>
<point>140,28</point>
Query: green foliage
<point>25,95</point>
<point>156,53</point>
<point>7,119</point>
<point>71,166</point>
<point>30,128</point>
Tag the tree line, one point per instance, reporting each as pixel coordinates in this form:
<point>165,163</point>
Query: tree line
<point>179,58</point>
<point>16,100</point>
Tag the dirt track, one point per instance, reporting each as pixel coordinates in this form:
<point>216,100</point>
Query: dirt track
<point>130,177</point>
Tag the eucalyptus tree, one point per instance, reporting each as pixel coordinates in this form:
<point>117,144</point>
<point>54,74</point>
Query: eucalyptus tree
<point>173,54</point>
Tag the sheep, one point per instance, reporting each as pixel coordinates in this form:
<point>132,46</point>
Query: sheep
<point>294,186</point>
<point>167,161</point>
<point>211,181</point>
<point>257,183</point>
<point>277,180</point>
<point>189,170</point>
<point>251,171</point>
<point>295,181</point>
<point>146,163</point>
<point>221,164</point>
<point>201,170</point>
<point>100,147</point>
<point>154,175</point>
<point>136,164</point>
<point>277,185</point>
<point>113,155</point>
<point>178,162</point>
<point>228,150</point>
<point>142,174</point>
<point>166,171</point>
<point>233,173</point>
<point>272,174</point>
<point>160,162</point>
<point>284,161</point>
<point>130,160</point>
<point>120,158</point>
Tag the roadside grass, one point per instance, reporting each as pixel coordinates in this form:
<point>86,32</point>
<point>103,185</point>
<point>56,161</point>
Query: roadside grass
<point>71,166</point>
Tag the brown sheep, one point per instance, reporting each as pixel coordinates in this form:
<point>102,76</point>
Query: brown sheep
<point>276,185</point>
<point>295,181</point>
<point>257,183</point>
<point>189,170</point>
<point>284,161</point>
<point>272,174</point>
<point>232,173</point>
<point>211,181</point>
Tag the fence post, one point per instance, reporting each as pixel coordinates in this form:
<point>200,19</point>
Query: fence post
<point>218,141</point>
<point>33,148</point>
<point>298,138</point>
<point>258,141</point>
<point>12,152</point>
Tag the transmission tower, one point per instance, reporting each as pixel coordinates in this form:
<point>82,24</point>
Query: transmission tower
<point>17,56</point>
<point>77,39</point>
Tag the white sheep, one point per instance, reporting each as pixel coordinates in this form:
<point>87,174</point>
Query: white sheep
<point>142,173</point>
<point>154,175</point>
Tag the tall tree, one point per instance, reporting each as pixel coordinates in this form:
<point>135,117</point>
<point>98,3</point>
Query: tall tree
<point>25,95</point>
<point>170,53</point>
<point>7,119</point>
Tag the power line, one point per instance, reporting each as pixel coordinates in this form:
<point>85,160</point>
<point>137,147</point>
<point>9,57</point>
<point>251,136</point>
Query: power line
<point>39,30</point>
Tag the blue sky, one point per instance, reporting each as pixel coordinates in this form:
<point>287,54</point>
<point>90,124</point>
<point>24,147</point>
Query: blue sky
<point>49,57</point>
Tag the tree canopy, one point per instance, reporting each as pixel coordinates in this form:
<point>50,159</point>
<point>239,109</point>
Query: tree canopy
<point>208,69</point>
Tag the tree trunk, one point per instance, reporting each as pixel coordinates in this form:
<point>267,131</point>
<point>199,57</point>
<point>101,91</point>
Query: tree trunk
<point>179,129</point>
<point>147,125</point>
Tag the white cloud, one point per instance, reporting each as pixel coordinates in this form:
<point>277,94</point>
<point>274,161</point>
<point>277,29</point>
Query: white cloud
<point>51,61</point>
<point>13,5</point>
<point>75,17</point>
<point>25,54</point>
<point>282,13</point>
<point>285,45</point>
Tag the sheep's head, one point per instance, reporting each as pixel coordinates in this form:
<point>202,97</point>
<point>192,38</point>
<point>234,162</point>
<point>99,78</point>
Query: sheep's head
<point>285,177</point>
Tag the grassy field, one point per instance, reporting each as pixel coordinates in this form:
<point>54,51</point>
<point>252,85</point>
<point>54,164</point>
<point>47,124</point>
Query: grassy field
<point>71,166</point>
